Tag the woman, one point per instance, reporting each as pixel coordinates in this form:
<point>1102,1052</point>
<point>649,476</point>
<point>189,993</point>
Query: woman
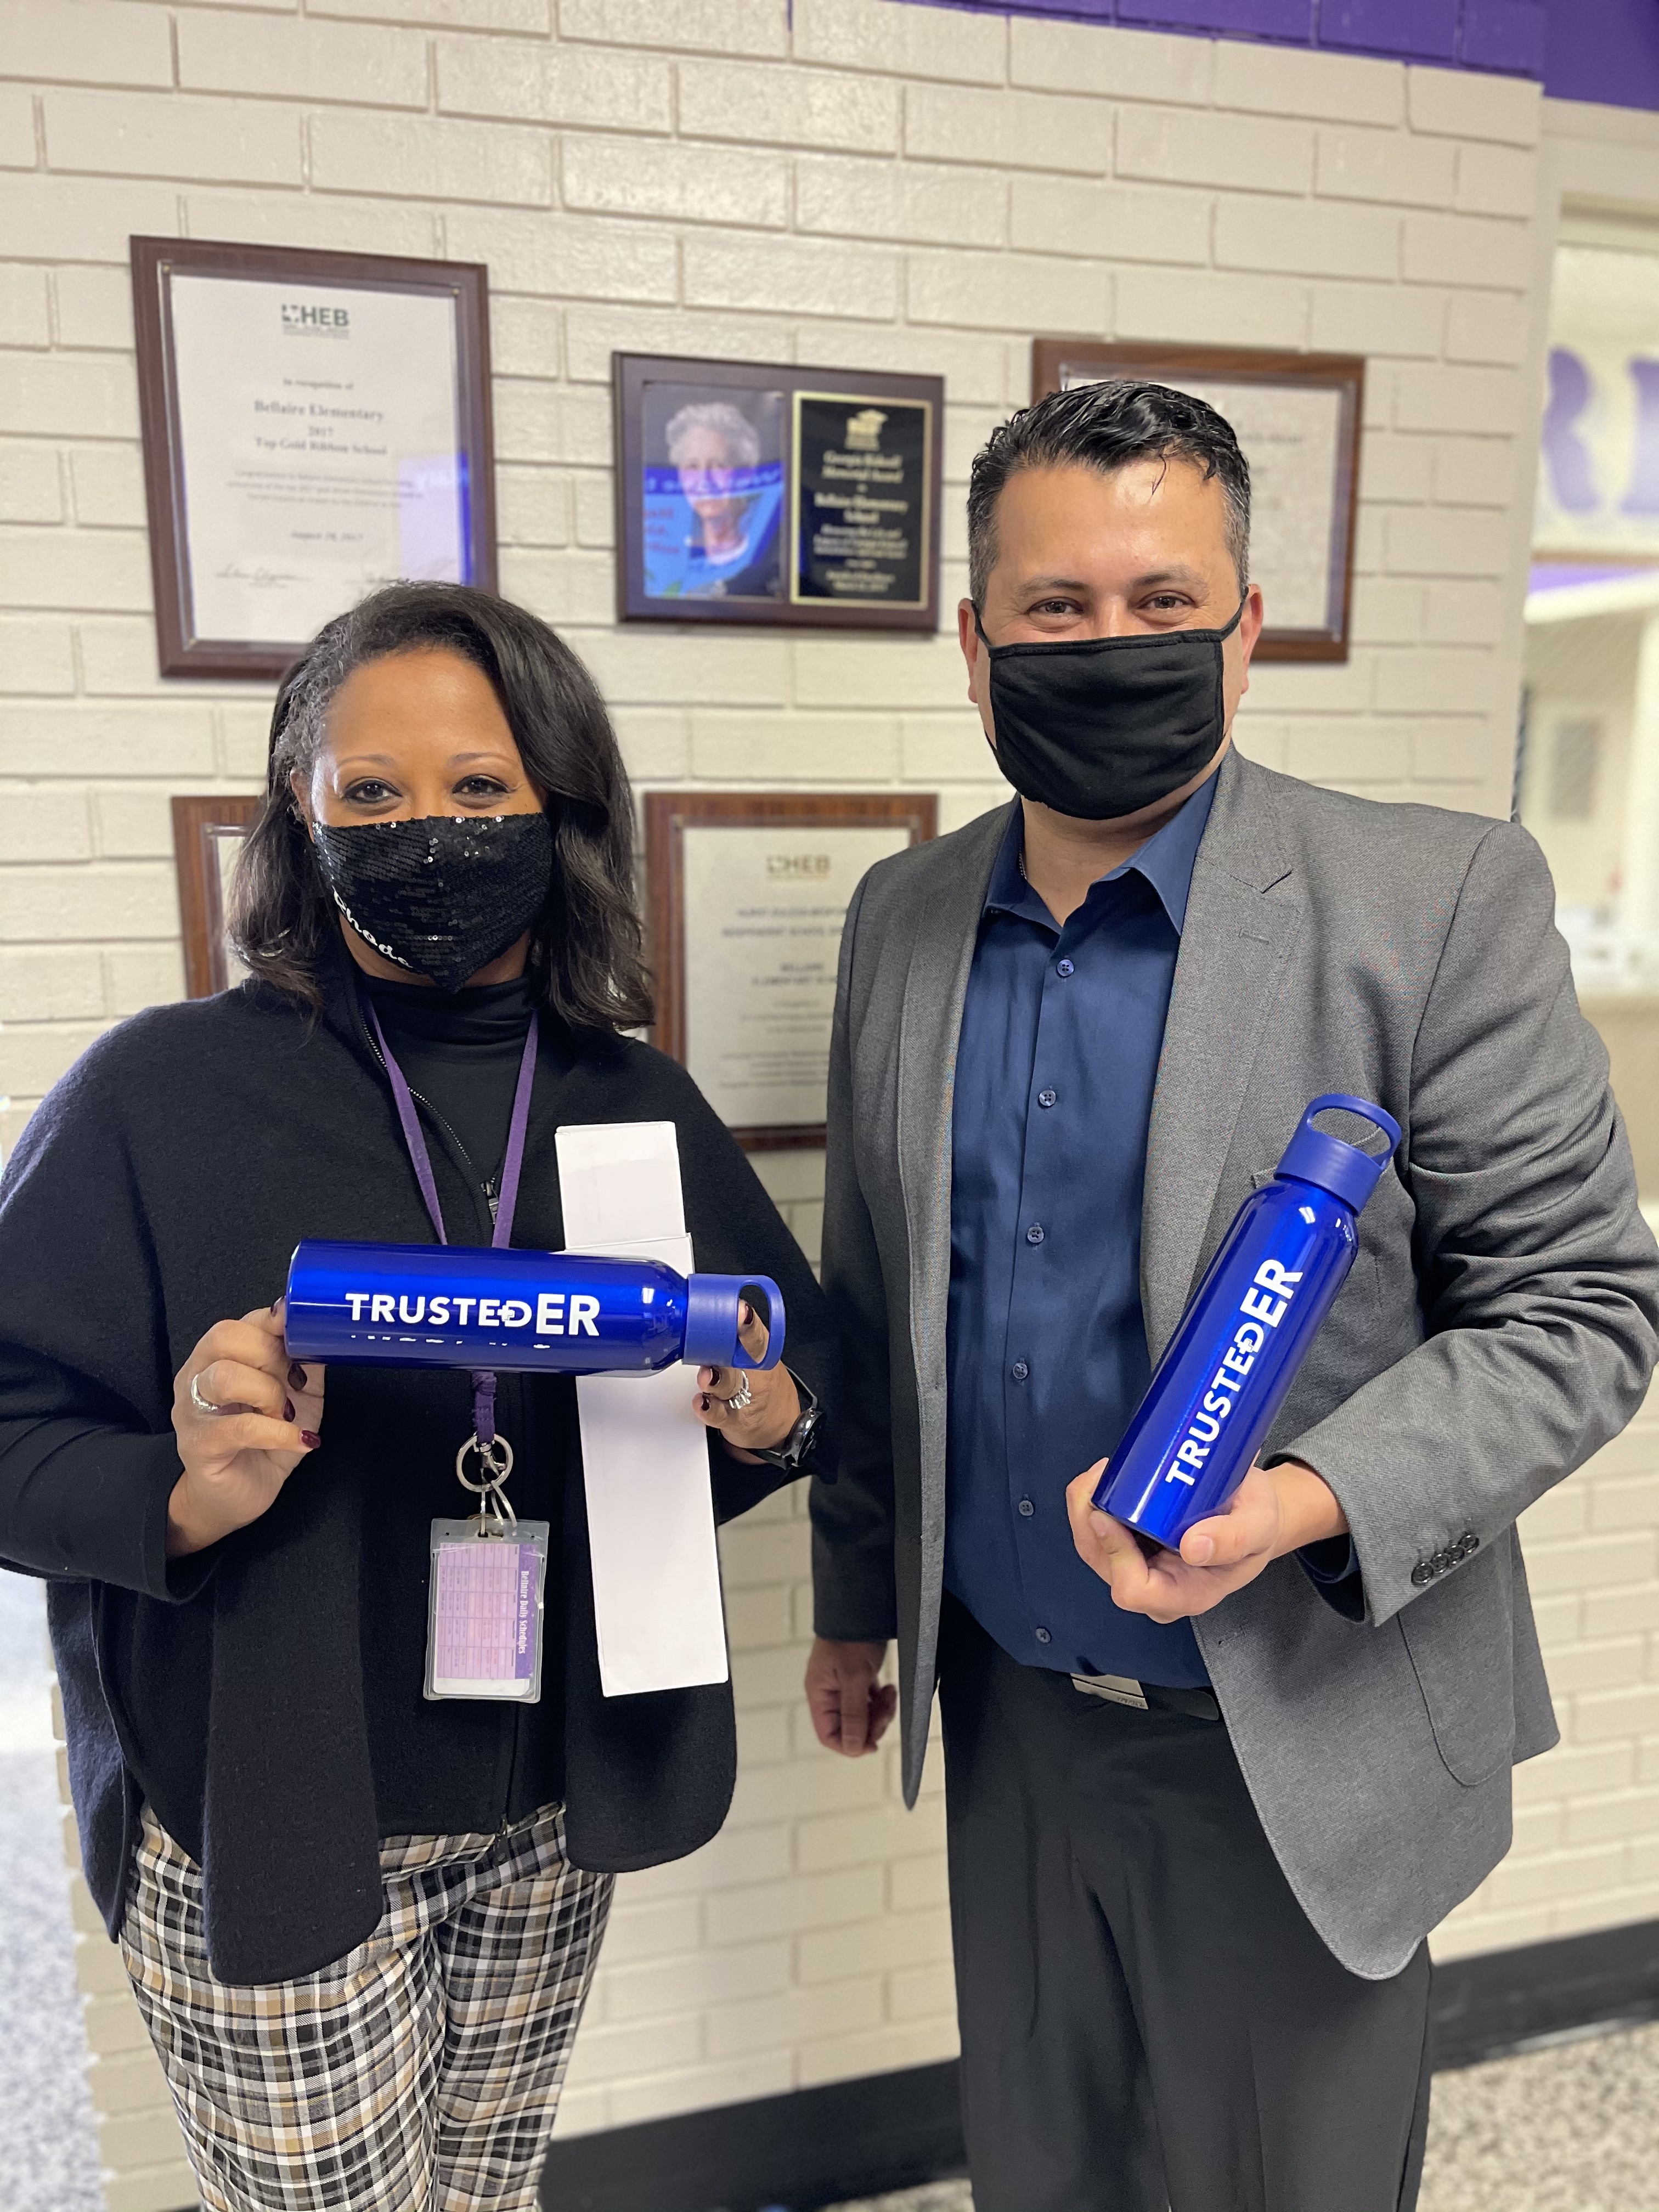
<point>238,1544</point>
<point>735,503</point>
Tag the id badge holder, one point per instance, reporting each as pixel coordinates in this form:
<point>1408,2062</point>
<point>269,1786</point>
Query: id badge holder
<point>484,1608</point>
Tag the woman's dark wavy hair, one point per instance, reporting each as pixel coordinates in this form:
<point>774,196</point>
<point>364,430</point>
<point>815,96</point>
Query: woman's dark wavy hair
<point>586,945</point>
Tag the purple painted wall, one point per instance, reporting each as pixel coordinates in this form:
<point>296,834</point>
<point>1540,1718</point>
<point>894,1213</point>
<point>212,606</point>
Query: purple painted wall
<point>1599,50</point>
<point>1606,50</point>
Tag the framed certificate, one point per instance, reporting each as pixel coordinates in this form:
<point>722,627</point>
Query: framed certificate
<point>1296,415</point>
<point>748,892</point>
<point>751,493</point>
<point>207,836</point>
<point>314,425</point>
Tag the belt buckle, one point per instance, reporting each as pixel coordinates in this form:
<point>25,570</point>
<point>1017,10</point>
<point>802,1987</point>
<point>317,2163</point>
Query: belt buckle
<point>1115,1689</point>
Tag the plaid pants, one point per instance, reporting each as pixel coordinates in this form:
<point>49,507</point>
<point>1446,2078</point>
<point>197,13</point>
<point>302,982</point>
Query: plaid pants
<point>421,2072</point>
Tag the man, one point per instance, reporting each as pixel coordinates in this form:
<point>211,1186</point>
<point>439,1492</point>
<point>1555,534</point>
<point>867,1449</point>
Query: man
<point>1202,1809</point>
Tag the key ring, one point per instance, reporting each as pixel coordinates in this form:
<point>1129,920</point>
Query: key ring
<point>495,1458</point>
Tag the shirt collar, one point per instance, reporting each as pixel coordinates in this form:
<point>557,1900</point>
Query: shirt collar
<point>1165,861</point>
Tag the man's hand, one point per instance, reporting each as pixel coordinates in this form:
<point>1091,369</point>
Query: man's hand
<point>1274,1510</point>
<point>851,1709</point>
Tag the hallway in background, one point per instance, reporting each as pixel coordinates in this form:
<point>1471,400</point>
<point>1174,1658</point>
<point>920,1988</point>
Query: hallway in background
<point>48,2148</point>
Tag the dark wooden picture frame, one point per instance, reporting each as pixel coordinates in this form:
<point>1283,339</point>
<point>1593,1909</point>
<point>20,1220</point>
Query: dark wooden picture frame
<point>1054,359</point>
<point>667,816</point>
<point>630,375</point>
<point>182,650</point>
<point>199,826</point>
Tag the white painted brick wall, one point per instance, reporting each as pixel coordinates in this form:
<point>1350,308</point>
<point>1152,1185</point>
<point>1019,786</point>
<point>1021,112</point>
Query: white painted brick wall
<point>881,186</point>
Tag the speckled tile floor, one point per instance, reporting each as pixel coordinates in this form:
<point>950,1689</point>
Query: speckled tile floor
<point>1573,2127</point>
<point>48,2151</point>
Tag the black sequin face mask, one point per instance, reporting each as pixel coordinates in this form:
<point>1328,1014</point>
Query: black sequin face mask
<point>441,897</point>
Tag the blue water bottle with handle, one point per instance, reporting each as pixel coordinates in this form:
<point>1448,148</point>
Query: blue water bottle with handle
<point>1229,1366</point>
<point>516,1311</point>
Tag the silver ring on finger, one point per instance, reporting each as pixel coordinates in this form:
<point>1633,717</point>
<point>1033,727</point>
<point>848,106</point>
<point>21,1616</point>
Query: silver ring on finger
<point>202,1405</point>
<point>742,1399</point>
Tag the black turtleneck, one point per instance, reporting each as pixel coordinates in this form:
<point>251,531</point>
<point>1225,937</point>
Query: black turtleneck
<point>459,1052</point>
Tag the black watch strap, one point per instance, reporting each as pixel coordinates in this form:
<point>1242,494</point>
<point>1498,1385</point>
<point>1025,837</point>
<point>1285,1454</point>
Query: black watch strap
<point>793,1453</point>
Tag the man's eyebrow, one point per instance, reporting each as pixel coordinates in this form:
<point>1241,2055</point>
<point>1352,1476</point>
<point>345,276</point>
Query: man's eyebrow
<point>1177,572</point>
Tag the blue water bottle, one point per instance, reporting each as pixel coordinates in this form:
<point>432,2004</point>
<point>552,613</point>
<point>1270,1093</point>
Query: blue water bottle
<point>1228,1367</point>
<point>515,1311</point>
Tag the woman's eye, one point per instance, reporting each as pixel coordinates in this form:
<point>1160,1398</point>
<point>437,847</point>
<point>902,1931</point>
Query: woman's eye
<point>371,791</point>
<point>480,786</point>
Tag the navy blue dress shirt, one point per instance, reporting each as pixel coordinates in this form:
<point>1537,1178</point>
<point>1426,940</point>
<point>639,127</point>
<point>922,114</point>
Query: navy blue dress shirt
<point>1061,1031</point>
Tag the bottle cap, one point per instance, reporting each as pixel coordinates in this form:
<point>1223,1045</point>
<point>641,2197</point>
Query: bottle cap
<point>1331,1163</point>
<point>711,1319</point>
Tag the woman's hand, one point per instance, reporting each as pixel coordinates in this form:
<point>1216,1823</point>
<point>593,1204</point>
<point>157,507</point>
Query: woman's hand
<point>269,1409</point>
<point>773,1405</point>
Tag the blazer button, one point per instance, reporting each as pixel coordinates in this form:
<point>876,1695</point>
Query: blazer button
<point>1422,1574</point>
<point>1467,1545</point>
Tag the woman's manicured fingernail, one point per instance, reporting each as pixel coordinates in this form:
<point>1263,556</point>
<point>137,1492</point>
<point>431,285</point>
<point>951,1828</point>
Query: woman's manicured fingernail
<point>288,1409</point>
<point>275,1307</point>
<point>310,1439</point>
<point>296,1376</point>
<point>745,1313</point>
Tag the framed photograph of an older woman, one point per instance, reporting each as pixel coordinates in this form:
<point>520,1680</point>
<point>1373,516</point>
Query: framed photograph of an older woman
<point>713,500</point>
<point>756,492</point>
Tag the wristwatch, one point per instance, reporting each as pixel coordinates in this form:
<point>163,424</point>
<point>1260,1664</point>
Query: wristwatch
<point>791,1453</point>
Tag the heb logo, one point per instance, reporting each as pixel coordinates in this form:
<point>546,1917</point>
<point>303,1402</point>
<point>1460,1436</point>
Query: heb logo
<point>302,321</point>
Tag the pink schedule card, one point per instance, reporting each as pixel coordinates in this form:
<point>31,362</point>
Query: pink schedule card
<point>485,1629</point>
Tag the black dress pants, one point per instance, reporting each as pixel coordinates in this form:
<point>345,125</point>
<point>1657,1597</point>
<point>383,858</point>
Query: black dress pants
<point>1149,2021</point>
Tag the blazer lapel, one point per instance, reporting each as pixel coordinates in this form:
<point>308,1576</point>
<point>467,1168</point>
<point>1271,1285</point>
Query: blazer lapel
<point>1242,915</point>
<point>930,1024</point>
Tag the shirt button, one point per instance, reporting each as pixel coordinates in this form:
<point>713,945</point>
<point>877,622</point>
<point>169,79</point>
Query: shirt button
<point>1019,1370</point>
<point>1026,1508</point>
<point>1063,968</point>
<point>1034,1234</point>
<point>1043,1636</point>
<point>1047,1098</point>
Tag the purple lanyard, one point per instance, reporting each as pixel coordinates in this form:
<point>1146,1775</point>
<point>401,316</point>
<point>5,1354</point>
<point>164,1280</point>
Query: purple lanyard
<point>483,1378</point>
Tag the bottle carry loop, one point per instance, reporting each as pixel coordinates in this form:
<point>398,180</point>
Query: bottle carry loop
<point>1334,1164</point>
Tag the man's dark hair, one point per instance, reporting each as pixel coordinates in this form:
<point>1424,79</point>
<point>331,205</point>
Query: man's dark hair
<point>1105,426</point>
<point>586,948</point>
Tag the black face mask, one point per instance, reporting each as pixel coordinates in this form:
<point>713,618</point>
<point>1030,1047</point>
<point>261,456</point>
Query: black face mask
<point>440,896</point>
<point>1105,726</point>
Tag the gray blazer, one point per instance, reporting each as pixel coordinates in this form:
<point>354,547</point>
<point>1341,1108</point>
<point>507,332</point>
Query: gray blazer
<point>1498,1325</point>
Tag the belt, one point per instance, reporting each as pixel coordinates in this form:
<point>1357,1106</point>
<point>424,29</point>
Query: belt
<point>1149,1697</point>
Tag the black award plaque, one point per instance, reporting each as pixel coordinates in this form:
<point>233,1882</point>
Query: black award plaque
<point>863,470</point>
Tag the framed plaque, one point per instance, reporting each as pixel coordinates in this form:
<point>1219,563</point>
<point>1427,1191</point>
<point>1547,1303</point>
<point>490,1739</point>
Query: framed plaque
<point>207,836</point>
<point>1296,415</point>
<point>750,493</point>
<point>747,894</point>
<point>314,425</point>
